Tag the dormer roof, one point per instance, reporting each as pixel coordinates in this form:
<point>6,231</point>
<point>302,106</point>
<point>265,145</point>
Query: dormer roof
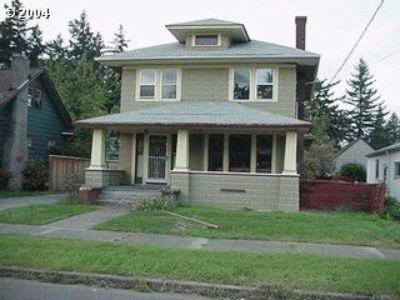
<point>235,31</point>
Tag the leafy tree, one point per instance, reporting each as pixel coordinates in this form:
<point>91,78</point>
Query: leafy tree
<point>379,135</point>
<point>353,172</point>
<point>363,100</point>
<point>324,105</point>
<point>83,40</point>
<point>319,156</point>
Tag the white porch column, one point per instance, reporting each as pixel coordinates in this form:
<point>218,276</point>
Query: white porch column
<point>290,166</point>
<point>98,155</point>
<point>182,150</point>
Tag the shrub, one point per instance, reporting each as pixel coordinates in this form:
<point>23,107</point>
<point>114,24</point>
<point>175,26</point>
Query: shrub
<point>156,203</point>
<point>35,175</point>
<point>353,172</point>
<point>4,177</point>
<point>392,208</point>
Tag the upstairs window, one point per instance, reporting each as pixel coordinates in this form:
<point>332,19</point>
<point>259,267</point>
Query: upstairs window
<point>147,84</point>
<point>265,84</point>
<point>34,97</point>
<point>206,40</point>
<point>168,89</point>
<point>241,85</point>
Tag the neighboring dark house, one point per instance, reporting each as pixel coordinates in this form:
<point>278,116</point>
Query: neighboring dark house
<point>33,119</point>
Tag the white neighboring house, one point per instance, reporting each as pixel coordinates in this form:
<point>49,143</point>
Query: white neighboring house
<point>384,166</point>
<point>355,152</point>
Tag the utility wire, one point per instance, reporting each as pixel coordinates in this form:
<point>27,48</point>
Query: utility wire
<point>357,42</point>
<point>387,56</point>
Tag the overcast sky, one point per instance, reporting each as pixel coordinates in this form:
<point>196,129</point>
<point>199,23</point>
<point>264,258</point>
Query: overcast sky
<point>332,28</point>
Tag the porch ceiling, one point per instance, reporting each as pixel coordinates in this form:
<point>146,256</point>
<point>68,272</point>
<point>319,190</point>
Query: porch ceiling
<point>215,114</point>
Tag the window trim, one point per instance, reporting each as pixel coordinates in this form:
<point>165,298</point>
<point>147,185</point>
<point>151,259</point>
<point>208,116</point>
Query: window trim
<point>219,40</point>
<point>162,84</point>
<point>377,168</point>
<point>253,84</point>
<point>140,84</point>
<point>396,168</point>
<point>158,85</point>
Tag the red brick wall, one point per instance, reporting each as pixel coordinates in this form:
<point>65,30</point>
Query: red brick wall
<point>328,194</point>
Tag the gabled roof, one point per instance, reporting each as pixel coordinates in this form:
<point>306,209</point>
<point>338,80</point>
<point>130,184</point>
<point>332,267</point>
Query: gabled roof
<point>350,145</point>
<point>7,94</point>
<point>178,52</point>
<point>197,114</point>
<point>391,148</point>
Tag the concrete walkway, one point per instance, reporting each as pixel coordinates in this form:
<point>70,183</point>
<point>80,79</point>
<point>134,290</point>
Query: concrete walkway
<point>30,200</point>
<point>79,231</point>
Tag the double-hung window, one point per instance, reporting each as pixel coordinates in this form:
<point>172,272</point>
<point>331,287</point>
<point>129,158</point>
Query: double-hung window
<point>168,88</point>
<point>147,84</point>
<point>397,170</point>
<point>241,84</point>
<point>264,84</point>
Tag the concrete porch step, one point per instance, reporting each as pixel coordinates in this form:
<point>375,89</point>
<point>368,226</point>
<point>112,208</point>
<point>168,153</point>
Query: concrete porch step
<point>128,196</point>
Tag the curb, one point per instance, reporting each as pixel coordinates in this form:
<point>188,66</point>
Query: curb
<point>172,286</point>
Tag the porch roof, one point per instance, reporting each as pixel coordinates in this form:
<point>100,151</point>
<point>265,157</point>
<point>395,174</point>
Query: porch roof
<point>200,114</point>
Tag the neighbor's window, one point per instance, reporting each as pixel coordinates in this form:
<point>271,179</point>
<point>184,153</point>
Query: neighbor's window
<point>397,169</point>
<point>147,84</point>
<point>168,90</point>
<point>215,152</point>
<point>206,40</point>
<point>34,97</point>
<point>264,83</point>
<point>376,168</point>
<point>239,152</point>
<point>264,154</point>
<point>241,86</point>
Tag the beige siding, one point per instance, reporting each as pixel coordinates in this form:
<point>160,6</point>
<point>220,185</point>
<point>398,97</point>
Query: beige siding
<point>212,84</point>
<point>205,84</point>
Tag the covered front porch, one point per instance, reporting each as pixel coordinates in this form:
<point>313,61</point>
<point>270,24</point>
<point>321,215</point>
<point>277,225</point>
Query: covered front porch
<point>230,165</point>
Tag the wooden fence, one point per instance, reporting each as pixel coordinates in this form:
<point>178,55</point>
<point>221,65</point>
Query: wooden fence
<point>65,170</point>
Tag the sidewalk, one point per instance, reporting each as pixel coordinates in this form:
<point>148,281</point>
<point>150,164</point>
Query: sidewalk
<point>79,232</point>
<point>30,200</point>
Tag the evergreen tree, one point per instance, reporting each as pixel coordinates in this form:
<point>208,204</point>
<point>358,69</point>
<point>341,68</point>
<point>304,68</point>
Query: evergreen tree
<point>324,105</point>
<point>120,42</point>
<point>13,34</point>
<point>363,101</point>
<point>84,42</point>
<point>393,129</point>
<point>379,135</point>
<point>35,45</point>
<point>56,48</point>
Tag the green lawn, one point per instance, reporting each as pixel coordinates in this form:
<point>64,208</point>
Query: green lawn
<point>315,227</point>
<point>42,214</point>
<point>290,271</point>
<point>22,193</point>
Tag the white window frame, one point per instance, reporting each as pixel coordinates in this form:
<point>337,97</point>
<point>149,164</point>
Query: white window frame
<point>268,83</point>
<point>396,165</point>
<point>140,83</point>
<point>219,40</point>
<point>253,84</point>
<point>162,84</point>
<point>158,85</point>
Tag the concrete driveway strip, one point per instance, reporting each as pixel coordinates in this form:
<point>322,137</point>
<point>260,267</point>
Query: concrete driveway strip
<point>30,200</point>
<point>12,289</point>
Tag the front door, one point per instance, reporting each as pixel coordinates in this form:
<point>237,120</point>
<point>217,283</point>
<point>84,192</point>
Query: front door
<point>157,164</point>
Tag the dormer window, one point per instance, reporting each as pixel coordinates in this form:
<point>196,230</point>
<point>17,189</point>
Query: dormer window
<point>207,40</point>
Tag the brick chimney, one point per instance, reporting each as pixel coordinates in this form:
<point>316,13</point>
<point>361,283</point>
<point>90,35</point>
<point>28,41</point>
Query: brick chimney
<point>16,146</point>
<point>301,32</point>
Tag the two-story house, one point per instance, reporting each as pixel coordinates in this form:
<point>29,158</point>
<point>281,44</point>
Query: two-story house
<point>213,115</point>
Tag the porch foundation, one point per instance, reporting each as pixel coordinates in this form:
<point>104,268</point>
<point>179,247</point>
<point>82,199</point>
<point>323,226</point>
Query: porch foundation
<point>104,177</point>
<point>238,191</point>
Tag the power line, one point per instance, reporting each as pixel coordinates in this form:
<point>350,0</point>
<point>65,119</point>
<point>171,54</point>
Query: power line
<point>357,42</point>
<point>387,56</point>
